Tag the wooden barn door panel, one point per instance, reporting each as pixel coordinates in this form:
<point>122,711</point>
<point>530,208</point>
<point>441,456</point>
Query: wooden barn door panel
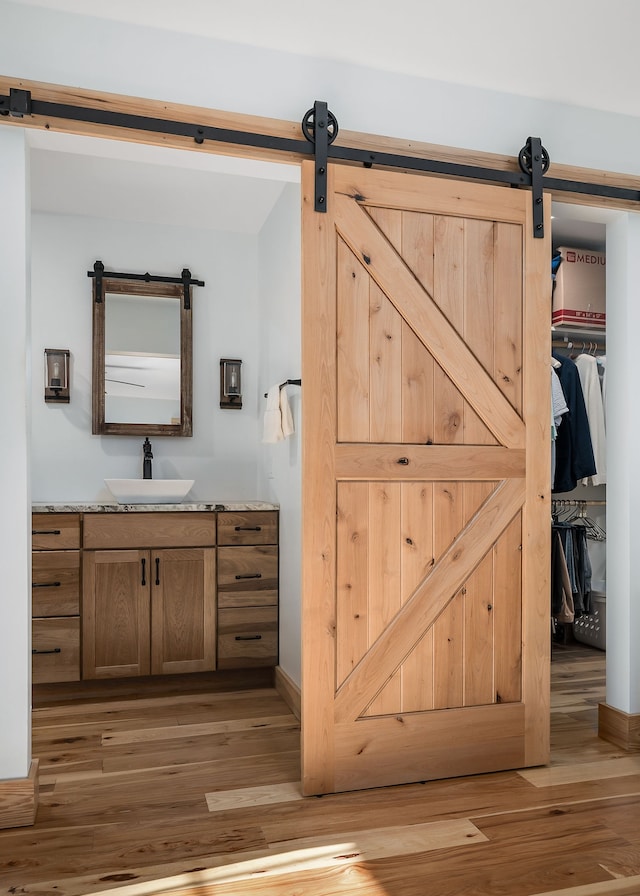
<point>426,368</point>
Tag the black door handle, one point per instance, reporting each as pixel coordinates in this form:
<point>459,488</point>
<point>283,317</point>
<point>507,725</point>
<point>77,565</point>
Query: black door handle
<point>157,570</point>
<point>46,584</point>
<point>54,650</point>
<point>144,569</point>
<point>250,575</point>
<point>248,637</point>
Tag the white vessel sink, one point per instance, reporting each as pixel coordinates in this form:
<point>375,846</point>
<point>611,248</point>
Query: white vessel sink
<point>149,491</point>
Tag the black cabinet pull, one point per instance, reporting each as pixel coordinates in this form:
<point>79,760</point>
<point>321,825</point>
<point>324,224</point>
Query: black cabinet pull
<point>248,637</point>
<point>248,528</point>
<point>157,570</point>
<point>144,567</point>
<point>45,531</point>
<point>46,584</point>
<point>54,650</point>
<point>404,461</point>
<point>250,575</point>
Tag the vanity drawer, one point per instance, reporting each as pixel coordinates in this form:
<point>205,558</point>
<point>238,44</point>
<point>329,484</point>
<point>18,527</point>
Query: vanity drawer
<point>55,583</point>
<point>248,527</point>
<point>149,530</point>
<point>55,531</point>
<point>56,649</point>
<point>248,576</point>
<point>247,637</point>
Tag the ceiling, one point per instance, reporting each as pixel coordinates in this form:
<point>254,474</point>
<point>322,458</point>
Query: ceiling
<point>118,180</point>
<point>576,51</point>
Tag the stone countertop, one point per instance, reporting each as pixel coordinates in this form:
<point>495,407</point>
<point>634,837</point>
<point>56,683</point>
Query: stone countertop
<point>113,507</point>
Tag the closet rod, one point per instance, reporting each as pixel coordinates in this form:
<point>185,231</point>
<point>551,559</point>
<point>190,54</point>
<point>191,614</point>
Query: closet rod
<point>578,503</point>
<point>582,345</point>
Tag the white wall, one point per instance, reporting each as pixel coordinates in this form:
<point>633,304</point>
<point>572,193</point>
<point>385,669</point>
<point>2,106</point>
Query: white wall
<point>623,483</point>
<point>70,464</point>
<point>280,463</point>
<point>15,522</point>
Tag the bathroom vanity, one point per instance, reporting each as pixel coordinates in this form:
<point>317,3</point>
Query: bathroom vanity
<point>131,590</point>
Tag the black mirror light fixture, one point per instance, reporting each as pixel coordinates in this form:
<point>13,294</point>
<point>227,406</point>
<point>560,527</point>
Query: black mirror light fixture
<point>56,375</point>
<point>230,383</point>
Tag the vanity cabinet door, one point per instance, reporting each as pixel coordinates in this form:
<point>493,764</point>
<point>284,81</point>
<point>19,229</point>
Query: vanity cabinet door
<point>183,610</point>
<point>248,527</point>
<point>247,636</point>
<point>55,649</point>
<point>55,531</point>
<point>248,576</point>
<point>116,614</point>
<point>55,580</point>
<point>148,612</point>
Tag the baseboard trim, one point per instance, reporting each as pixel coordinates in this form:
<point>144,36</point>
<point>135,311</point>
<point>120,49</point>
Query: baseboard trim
<point>19,799</point>
<point>619,728</point>
<point>289,691</point>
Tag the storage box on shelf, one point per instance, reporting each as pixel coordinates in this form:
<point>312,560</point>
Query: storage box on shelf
<point>55,597</point>
<point>247,589</point>
<point>579,292</point>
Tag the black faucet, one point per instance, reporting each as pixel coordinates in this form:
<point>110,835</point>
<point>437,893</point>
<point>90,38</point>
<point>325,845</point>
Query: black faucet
<point>146,463</point>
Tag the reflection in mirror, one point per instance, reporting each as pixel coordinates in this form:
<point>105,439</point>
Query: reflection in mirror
<point>142,359</point>
<point>142,365</point>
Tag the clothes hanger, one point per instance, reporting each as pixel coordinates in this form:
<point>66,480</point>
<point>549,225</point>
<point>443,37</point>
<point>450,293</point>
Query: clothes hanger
<point>580,518</point>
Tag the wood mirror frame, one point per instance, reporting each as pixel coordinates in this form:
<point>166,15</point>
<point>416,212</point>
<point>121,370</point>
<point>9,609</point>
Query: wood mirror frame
<point>105,285</point>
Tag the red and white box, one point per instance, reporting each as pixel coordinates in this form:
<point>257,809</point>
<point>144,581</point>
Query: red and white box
<point>579,296</point>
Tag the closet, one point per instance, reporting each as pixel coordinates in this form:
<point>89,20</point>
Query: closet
<point>579,500</point>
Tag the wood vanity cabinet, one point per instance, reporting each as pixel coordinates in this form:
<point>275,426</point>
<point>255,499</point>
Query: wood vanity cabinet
<point>247,589</point>
<point>55,607</point>
<point>149,594</point>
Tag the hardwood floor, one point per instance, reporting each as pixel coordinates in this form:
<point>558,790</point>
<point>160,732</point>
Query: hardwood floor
<point>196,793</point>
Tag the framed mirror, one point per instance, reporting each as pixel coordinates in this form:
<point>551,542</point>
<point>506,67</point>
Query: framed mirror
<point>142,354</point>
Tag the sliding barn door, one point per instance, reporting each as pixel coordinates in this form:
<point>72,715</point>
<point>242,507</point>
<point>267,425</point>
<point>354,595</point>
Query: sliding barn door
<point>426,511</point>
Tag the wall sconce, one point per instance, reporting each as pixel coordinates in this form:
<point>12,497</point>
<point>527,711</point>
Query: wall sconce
<point>56,375</point>
<point>230,383</point>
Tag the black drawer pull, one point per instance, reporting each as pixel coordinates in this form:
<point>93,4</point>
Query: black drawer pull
<point>404,461</point>
<point>248,637</point>
<point>45,531</point>
<point>248,528</point>
<point>55,650</point>
<point>46,584</point>
<point>250,575</point>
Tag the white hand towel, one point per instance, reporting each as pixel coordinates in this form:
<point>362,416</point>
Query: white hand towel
<point>286,419</point>
<point>272,417</point>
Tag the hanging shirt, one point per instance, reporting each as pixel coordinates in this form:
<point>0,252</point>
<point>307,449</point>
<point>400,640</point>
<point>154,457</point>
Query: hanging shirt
<point>574,451</point>
<point>590,381</point>
<point>558,410</point>
<point>602,372</point>
<point>558,404</point>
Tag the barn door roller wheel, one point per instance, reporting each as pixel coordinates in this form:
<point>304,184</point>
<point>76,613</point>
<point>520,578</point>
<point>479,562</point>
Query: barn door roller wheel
<point>320,127</point>
<point>534,161</point>
<point>526,161</point>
